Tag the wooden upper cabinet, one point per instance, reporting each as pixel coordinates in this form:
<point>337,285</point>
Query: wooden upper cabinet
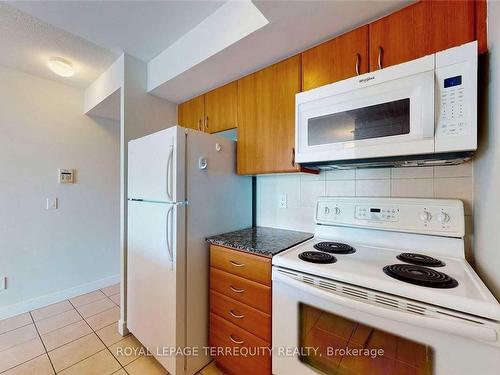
<point>335,60</point>
<point>220,108</point>
<point>421,29</point>
<point>266,118</point>
<point>191,114</point>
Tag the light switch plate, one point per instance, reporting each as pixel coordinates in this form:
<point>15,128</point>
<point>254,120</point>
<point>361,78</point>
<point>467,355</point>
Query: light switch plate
<point>282,201</point>
<point>52,204</point>
<point>66,176</point>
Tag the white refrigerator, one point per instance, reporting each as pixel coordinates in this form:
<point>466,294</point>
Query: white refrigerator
<point>182,187</point>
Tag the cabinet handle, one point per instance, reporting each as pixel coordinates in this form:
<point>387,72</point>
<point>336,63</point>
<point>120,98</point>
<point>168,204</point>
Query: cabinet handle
<point>358,59</point>
<point>236,315</point>
<point>206,123</point>
<point>199,124</point>
<point>237,264</point>
<point>236,341</point>
<point>236,290</point>
<point>380,52</point>
<point>293,156</point>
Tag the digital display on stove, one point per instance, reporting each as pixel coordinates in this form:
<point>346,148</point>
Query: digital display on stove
<point>374,209</point>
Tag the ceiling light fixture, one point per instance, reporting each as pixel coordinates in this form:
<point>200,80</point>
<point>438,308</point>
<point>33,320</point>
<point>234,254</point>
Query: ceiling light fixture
<point>61,67</point>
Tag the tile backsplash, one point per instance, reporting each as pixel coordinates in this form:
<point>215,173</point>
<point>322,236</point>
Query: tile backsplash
<point>301,191</point>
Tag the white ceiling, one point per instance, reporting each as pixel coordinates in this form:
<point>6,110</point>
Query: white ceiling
<point>293,27</point>
<point>93,34</point>
<point>142,29</point>
<point>26,43</point>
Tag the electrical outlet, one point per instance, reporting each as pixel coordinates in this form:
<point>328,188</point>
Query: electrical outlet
<point>3,283</point>
<point>52,204</point>
<point>282,203</point>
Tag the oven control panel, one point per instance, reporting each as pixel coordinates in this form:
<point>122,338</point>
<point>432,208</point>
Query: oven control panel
<point>384,213</point>
<point>429,216</point>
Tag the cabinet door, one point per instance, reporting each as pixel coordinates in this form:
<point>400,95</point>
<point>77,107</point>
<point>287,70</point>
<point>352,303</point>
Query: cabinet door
<point>419,30</point>
<point>266,118</point>
<point>220,108</point>
<point>335,60</point>
<point>191,114</point>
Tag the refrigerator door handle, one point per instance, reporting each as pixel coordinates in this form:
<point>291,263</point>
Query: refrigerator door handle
<point>167,236</point>
<point>169,172</point>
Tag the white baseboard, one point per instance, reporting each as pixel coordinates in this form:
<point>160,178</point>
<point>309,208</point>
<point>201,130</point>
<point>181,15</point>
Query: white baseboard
<point>48,299</point>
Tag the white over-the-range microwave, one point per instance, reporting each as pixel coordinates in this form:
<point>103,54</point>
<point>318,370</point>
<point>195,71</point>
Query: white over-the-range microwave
<point>422,112</point>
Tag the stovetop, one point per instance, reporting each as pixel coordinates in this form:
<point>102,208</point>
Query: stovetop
<point>365,268</point>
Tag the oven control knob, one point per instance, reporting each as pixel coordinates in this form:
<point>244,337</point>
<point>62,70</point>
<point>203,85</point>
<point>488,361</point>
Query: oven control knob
<point>337,211</point>
<point>443,217</point>
<point>425,216</point>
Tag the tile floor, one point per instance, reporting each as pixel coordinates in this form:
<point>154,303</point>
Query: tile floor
<point>75,337</point>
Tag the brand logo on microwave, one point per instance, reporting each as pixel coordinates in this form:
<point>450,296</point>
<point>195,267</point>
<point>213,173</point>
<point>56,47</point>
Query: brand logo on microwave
<point>367,79</point>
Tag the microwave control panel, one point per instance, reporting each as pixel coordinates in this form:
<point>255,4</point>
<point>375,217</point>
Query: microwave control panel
<point>456,99</point>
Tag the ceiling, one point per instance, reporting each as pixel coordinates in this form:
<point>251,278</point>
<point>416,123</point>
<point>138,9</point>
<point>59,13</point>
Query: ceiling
<point>26,43</point>
<point>142,29</point>
<point>92,34</point>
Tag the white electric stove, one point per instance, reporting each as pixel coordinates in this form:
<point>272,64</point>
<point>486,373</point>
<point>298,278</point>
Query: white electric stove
<point>385,273</point>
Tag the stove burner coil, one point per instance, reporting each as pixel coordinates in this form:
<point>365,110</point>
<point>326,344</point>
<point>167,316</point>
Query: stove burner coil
<point>419,275</point>
<point>420,260</point>
<point>317,257</point>
<point>334,248</point>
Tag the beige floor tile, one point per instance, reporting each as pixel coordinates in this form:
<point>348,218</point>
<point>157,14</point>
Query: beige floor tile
<point>120,372</point>
<point>15,322</point>
<point>37,366</point>
<point>20,353</point>
<point>211,369</point>
<point>104,319</point>
<point>110,335</point>
<point>62,336</point>
<point>101,363</point>
<point>127,350</point>
<point>58,321</point>
<point>96,307</point>
<point>110,290</point>
<point>17,336</point>
<point>51,310</point>
<point>145,366</point>
<point>87,298</point>
<point>75,351</point>
<point>115,298</point>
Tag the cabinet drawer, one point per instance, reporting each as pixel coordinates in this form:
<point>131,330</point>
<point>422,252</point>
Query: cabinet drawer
<point>246,317</point>
<point>249,292</point>
<point>252,267</point>
<point>224,334</point>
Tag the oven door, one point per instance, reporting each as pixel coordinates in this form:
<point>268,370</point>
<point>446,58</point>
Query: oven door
<point>391,115</point>
<point>318,330</point>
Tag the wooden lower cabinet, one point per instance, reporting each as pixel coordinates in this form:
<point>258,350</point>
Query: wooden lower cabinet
<point>240,311</point>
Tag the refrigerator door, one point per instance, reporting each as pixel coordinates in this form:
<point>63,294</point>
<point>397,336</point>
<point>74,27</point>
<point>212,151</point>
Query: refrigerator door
<point>156,166</point>
<point>156,282</point>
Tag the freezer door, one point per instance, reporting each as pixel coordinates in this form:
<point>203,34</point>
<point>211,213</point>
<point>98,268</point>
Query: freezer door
<point>155,279</point>
<point>156,166</point>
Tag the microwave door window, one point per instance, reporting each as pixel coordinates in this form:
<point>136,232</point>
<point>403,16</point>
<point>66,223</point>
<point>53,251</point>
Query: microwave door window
<point>376,121</point>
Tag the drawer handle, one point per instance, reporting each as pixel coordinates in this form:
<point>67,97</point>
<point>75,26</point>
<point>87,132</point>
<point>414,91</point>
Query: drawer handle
<point>236,341</point>
<point>236,264</point>
<point>236,290</point>
<point>236,315</point>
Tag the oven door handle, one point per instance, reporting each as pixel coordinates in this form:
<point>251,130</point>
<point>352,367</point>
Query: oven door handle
<point>471,330</point>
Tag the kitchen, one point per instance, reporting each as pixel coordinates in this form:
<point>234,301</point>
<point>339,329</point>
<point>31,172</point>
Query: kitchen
<point>325,204</point>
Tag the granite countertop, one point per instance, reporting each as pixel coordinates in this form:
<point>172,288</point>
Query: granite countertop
<point>260,240</point>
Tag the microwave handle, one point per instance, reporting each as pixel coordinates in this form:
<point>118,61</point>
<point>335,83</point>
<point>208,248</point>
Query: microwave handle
<point>465,329</point>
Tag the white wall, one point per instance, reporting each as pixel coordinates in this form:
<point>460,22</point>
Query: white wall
<point>47,253</point>
<point>487,163</point>
<point>303,189</point>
